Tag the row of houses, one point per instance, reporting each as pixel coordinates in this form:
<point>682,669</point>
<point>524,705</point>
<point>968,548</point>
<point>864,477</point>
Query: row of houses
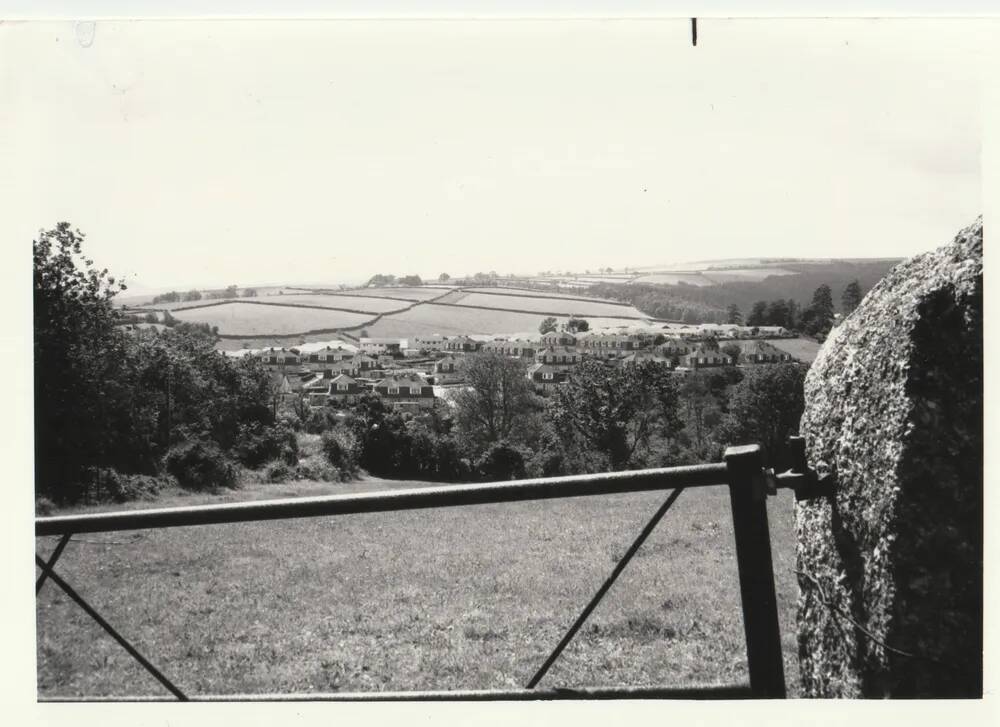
<point>404,372</point>
<point>555,368</point>
<point>550,366</point>
<point>602,344</point>
<point>405,391</point>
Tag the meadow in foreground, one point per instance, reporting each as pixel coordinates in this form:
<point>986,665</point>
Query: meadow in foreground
<point>470,597</point>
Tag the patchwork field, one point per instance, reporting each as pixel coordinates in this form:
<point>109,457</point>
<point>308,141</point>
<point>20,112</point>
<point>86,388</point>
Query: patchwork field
<point>422,293</point>
<point>609,278</point>
<point>366,303</point>
<point>472,597</point>
<point>552,306</point>
<point>753,275</point>
<point>674,279</point>
<point>532,293</point>
<point>247,319</point>
<point>298,341</point>
<point>452,320</point>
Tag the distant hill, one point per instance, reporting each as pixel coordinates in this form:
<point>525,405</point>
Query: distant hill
<point>703,291</point>
<point>760,262</point>
<point>799,286</point>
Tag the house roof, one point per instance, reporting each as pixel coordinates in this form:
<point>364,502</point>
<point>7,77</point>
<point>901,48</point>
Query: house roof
<point>756,346</point>
<point>401,380</point>
<point>543,368</point>
<point>704,350</point>
<point>611,334</point>
<point>279,353</point>
<point>287,384</point>
<point>561,350</point>
<point>644,356</point>
<point>343,379</point>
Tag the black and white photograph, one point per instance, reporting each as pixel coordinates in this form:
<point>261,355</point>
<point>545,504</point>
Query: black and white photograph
<point>498,359</point>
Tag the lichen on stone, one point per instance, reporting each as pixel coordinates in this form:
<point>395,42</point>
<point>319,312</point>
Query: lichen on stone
<point>893,413</point>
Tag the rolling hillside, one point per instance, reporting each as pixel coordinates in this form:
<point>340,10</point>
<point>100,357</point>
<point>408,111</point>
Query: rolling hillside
<point>303,315</point>
<point>700,292</point>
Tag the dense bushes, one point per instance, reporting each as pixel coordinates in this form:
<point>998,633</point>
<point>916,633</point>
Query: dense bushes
<point>277,472</point>
<point>199,464</point>
<point>340,448</point>
<point>107,400</point>
<point>501,462</point>
<point>257,444</point>
<point>106,484</point>
<point>317,421</point>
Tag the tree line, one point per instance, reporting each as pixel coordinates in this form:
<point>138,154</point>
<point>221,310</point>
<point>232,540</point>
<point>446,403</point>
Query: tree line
<point>604,419</point>
<point>117,413</point>
<point>713,304</point>
<point>379,280</point>
<point>195,295</point>
<point>815,319</point>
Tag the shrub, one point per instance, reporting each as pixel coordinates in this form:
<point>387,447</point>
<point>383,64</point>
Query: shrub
<point>318,421</point>
<point>257,443</point>
<point>44,506</point>
<point>340,448</point>
<point>502,462</point>
<point>199,464</point>
<point>448,463</point>
<point>277,472</point>
<point>317,468</point>
<point>106,484</point>
<point>290,420</point>
<point>547,463</point>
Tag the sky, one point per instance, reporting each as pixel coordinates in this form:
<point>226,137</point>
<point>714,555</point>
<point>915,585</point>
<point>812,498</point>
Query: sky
<point>201,153</point>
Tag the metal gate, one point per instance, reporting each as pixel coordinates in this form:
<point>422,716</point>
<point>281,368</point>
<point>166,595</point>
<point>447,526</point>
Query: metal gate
<point>741,471</point>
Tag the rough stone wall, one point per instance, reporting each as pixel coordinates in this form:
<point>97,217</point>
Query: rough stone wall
<point>894,411</point>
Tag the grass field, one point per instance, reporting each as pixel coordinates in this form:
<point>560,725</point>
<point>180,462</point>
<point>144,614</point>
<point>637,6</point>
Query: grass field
<point>365,303</point>
<point>749,275</point>
<point>533,293</point>
<point>610,278</point>
<point>422,293</point>
<point>553,306</point>
<point>455,320</point>
<point>674,279</point>
<point>452,321</point>
<point>801,348</point>
<point>243,319</point>
<point>468,597</point>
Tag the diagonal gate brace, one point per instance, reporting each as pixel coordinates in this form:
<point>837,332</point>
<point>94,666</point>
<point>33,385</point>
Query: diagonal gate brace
<point>585,614</point>
<point>89,610</point>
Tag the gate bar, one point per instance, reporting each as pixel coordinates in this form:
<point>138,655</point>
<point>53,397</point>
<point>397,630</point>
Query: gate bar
<point>52,561</point>
<point>619,567</point>
<point>133,652</point>
<point>665,478</point>
<point>747,493</point>
<point>711,691</point>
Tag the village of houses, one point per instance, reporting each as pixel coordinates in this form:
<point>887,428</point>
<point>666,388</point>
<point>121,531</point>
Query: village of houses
<point>421,372</point>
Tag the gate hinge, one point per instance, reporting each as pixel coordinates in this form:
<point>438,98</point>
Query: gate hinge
<point>800,478</point>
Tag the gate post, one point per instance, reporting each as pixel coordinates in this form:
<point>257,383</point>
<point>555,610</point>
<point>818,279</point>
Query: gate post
<point>748,497</point>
